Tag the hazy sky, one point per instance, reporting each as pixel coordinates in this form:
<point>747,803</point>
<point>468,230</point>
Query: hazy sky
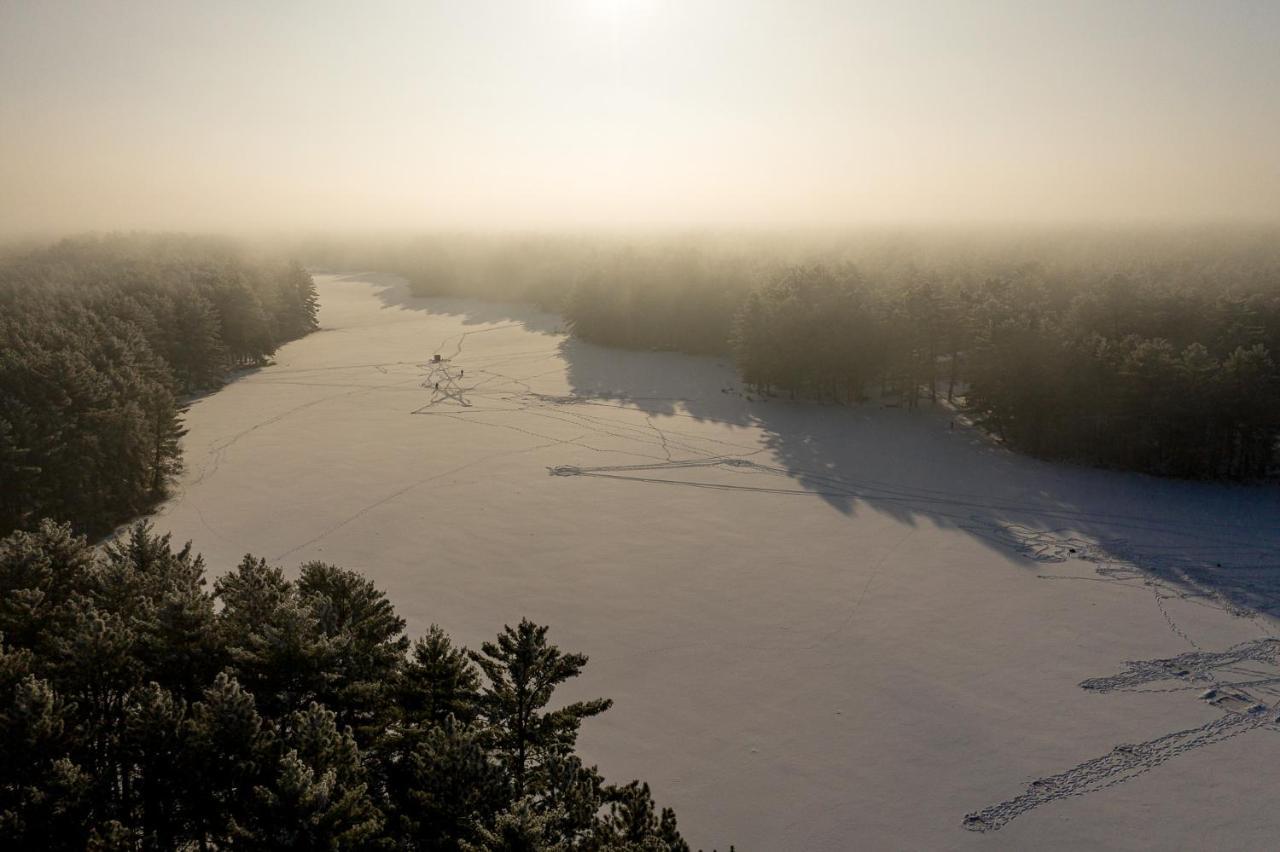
<point>615,112</point>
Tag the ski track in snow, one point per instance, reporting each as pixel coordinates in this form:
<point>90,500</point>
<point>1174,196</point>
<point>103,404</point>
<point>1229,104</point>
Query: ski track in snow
<point>1216,675</point>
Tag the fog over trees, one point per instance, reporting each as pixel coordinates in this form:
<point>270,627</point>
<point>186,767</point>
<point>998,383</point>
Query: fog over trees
<point>100,341</point>
<point>1152,350</point>
<point>1118,373</point>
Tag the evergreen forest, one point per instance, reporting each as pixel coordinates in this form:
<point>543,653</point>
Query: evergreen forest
<point>101,341</point>
<point>140,710</point>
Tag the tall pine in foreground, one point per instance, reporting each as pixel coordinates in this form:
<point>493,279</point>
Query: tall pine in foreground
<point>523,671</point>
<point>140,709</point>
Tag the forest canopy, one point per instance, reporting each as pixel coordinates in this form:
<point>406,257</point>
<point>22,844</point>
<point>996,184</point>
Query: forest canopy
<point>100,340</point>
<point>140,710</point>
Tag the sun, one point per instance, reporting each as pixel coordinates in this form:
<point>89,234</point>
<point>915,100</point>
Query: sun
<point>620,12</point>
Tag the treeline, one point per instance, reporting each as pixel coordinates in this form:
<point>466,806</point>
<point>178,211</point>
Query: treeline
<point>1119,373</point>
<point>681,290</point>
<point>649,292</point>
<point>1142,349</point>
<point>100,338</point>
<point>138,710</point>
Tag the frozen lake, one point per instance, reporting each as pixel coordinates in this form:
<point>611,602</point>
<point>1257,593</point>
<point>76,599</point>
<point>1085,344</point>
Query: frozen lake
<point>823,627</point>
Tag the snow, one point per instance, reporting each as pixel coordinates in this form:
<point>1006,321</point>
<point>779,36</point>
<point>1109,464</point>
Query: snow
<point>823,627</point>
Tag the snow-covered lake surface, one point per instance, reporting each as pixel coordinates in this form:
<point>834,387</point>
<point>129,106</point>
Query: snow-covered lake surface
<point>823,627</point>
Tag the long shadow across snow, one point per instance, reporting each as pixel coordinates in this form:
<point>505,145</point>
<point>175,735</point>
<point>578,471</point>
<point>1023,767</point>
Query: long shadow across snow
<point>1203,538</point>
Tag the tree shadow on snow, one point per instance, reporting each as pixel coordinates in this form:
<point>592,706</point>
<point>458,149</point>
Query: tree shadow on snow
<point>659,383</point>
<point>1206,540</point>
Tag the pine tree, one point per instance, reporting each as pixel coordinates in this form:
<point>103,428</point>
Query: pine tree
<point>41,572</point>
<point>522,671</point>
<point>41,791</point>
<point>316,797</point>
<point>363,634</point>
<point>228,751</point>
<point>154,743</point>
<point>520,828</point>
<point>440,784</point>
<point>633,824</point>
<point>438,681</point>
